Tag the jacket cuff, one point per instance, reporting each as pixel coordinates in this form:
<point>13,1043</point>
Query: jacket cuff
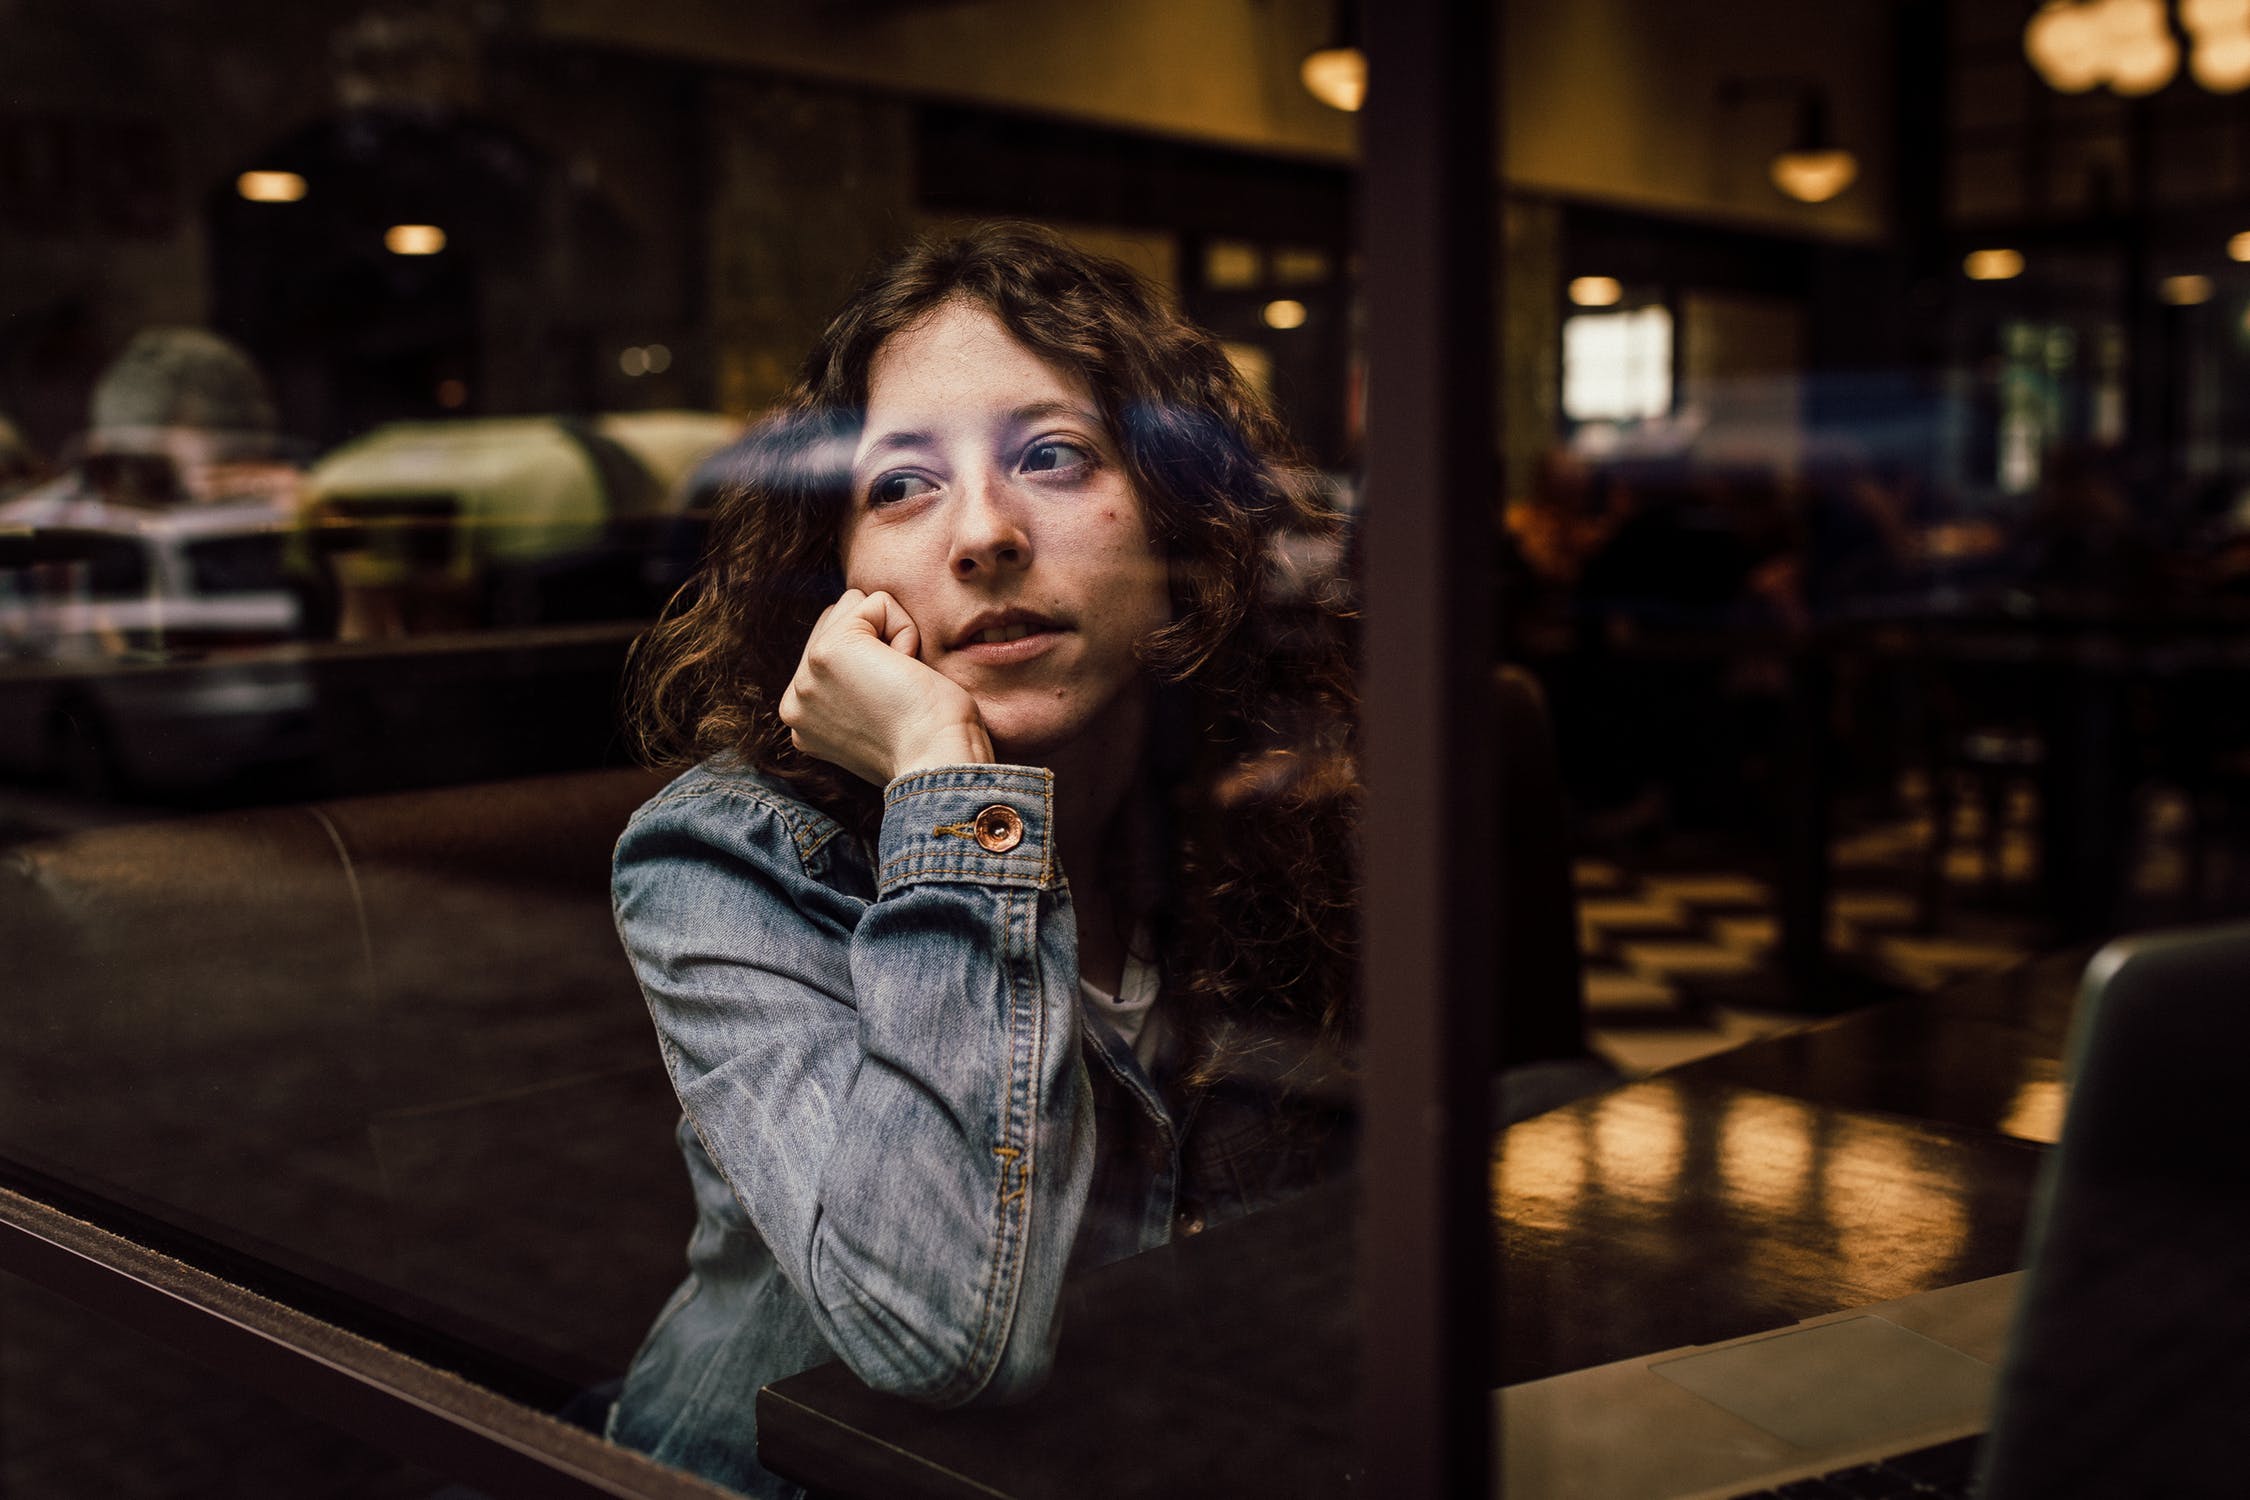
<point>990,824</point>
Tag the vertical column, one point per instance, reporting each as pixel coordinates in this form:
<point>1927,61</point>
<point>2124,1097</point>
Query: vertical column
<point>1425,1237</point>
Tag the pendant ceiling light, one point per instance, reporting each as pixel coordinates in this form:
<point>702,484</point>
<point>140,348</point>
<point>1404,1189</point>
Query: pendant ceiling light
<point>1813,167</point>
<point>1336,74</point>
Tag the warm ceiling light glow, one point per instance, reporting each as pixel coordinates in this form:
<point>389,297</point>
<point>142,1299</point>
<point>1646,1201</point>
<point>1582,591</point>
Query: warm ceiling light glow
<point>633,362</point>
<point>2238,248</point>
<point>1596,291</point>
<point>2127,44</point>
<point>2144,67</point>
<point>2065,42</point>
<point>414,239</point>
<point>1814,176</point>
<point>2185,291</point>
<point>1285,313</point>
<point>1993,265</point>
<point>2204,17</point>
<point>1336,76</point>
<point>2221,63</point>
<point>270,187</point>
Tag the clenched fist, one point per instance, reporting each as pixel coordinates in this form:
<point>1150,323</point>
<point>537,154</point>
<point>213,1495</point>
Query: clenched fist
<point>863,700</point>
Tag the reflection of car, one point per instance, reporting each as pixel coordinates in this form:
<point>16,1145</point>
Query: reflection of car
<point>117,578</point>
<point>115,634</point>
<point>156,721</point>
<point>671,445</point>
<point>502,520</point>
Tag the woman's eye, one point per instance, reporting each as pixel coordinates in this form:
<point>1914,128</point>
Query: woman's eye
<point>1049,455</point>
<point>892,488</point>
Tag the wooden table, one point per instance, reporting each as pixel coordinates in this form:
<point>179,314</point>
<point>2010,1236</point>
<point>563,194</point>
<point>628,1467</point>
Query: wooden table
<point>1701,1205</point>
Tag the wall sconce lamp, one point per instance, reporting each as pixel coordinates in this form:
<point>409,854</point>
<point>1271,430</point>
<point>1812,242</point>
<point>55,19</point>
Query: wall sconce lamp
<point>1812,168</point>
<point>1336,74</point>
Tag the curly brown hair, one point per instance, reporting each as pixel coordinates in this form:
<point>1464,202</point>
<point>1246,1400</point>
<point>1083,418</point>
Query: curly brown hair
<point>1252,738</point>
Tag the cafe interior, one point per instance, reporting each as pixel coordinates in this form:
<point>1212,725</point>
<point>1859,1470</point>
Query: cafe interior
<point>1792,515</point>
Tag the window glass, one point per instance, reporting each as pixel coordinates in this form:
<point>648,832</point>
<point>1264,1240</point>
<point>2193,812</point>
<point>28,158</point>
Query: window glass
<point>411,465</point>
<point>409,469</point>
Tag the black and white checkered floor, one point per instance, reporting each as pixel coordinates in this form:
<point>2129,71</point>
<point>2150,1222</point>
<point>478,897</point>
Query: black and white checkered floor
<point>1681,961</point>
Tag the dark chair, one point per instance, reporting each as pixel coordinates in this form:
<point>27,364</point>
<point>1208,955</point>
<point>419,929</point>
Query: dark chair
<point>1983,730</point>
<point>1540,1048</point>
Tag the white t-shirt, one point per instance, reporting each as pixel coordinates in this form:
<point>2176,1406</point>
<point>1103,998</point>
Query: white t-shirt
<point>1129,1012</point>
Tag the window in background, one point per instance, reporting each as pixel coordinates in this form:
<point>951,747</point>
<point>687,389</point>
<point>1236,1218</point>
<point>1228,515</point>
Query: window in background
<point>1617,366</point>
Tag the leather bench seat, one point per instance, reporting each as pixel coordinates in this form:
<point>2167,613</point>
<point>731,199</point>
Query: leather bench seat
<point>386,1043</point>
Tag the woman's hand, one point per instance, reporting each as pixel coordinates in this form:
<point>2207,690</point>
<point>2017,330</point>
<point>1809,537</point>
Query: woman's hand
<point>861,699</point>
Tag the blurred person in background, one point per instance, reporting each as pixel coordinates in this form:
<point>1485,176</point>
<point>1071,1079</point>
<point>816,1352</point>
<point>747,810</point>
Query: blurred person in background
<point>181,416</point>
<point>2080,544</point>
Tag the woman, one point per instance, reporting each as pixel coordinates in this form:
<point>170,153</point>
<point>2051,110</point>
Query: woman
<point>1013,887</point>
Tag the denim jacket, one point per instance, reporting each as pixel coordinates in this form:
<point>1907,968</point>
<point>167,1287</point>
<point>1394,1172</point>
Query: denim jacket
<point>901,1125</point>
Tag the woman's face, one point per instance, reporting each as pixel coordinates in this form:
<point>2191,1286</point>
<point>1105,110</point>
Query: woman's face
<point>988,500</point>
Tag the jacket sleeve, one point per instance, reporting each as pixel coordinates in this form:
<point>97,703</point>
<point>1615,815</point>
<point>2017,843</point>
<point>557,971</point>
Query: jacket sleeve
<point>894,1089</point>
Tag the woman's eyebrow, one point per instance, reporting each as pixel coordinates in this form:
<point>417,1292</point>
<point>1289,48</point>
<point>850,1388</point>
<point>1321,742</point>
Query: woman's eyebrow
<point>1040,411</point>
<point>893,442</point>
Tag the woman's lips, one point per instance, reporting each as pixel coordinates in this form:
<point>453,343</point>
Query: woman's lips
<point>1008,653</point>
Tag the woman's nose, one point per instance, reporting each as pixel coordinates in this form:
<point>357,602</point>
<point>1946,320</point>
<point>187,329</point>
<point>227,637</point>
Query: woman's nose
<point>988,534</point>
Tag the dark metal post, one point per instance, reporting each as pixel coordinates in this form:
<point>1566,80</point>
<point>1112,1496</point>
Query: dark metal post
<point>1425,1234</point>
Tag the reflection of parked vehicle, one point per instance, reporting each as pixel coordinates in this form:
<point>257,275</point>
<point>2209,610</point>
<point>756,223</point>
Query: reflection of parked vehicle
<point>435,525</point>
<point>118,578</point>
<point>19,465</point>
<point>157,722</point>
<point>114,639</point>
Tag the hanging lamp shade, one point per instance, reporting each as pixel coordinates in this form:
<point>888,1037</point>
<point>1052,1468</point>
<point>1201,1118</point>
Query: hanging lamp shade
<point>1336,74</point>
<point>1813,168</point>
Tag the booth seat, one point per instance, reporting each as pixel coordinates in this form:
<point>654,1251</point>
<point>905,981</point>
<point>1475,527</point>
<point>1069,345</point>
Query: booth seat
<point>386,1047</point>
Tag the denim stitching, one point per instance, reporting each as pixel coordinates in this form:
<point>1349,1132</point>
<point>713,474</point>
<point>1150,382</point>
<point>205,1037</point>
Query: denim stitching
<point>1017,1234</point>
<point>961,862</point>
<point>966,778</point>
<point>985,1350</point>
<point>809,834</point>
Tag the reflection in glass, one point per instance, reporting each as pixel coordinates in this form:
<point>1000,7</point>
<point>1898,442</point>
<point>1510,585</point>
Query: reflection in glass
<point>1766,1151</point>
<point>1897,1217</point>
<point>1540,1175</point>
<point>2035,1113</point>
<point>1638,1143</point>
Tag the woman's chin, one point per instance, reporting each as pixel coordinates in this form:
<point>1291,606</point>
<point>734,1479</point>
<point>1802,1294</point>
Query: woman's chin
<point>1042,729</point>
<point>1029,747</point>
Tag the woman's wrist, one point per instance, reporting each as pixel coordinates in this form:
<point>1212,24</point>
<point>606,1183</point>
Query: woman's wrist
<point>957,745</point>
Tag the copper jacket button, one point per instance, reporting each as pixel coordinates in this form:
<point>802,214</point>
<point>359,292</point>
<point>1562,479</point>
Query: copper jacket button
<point>999,828</point>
